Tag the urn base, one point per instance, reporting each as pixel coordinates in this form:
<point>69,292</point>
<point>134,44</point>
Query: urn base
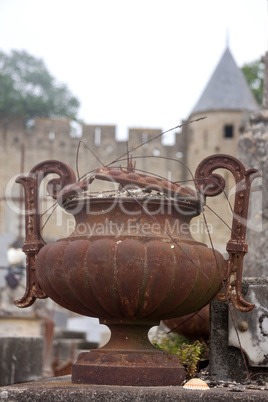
<point>128,359</point>
<point>129,368</point>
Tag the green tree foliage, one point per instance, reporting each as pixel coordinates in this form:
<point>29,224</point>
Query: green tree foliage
<point>27,88</point>
<point>254,74</point>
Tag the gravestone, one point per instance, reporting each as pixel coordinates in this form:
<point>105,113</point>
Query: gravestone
<point>230,329</point>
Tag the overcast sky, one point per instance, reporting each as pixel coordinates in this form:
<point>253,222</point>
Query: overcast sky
<point>141,63</point>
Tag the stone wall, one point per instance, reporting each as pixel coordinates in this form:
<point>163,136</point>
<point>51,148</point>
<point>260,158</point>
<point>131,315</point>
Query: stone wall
<point>253,152</point>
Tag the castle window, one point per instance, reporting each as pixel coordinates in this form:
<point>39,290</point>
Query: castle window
<point>179,155</point>
<point>205,139</point>
<point>29,123</point>
<point>156,152</point>
<point>109,148</point>
<point>51,136</point>
<point>97,136</point>
<point>228,131</point>
<point>144,138</point>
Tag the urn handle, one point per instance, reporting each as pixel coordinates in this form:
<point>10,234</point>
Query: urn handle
<point>211,184</point>
<point>33,240</point>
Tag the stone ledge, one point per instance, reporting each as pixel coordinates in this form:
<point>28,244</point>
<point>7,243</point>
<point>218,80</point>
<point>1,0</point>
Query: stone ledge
<point>61,389</point>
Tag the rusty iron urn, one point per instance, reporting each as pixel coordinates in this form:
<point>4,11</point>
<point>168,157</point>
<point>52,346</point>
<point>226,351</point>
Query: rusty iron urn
<point>193,326</point>
<point>150,270</point>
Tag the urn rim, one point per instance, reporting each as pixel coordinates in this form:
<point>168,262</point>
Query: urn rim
<point>193,204</point>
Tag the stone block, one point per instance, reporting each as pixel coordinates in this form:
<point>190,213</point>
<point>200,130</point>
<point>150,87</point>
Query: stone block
<point>228,363</point>
<point>60,333</point>
<point>66,349</point>
<point>21,359</point>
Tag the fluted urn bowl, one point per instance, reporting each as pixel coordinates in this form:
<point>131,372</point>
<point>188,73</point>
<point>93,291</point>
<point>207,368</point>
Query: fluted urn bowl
<point>130,261</point>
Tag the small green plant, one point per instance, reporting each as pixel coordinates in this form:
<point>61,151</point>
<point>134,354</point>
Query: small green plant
<point>170,343</point>
<point>189,353</point>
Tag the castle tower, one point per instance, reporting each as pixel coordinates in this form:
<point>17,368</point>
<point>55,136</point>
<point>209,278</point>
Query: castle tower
<point>226,102</point>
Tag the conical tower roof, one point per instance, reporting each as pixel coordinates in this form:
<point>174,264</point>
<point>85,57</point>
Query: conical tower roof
<point>227,89</point>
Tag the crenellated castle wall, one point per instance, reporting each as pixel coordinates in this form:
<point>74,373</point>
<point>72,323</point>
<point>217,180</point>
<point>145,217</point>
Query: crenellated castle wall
<point>23,146</point>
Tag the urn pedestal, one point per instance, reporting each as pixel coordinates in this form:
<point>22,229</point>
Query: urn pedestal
<point>128,359</point>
